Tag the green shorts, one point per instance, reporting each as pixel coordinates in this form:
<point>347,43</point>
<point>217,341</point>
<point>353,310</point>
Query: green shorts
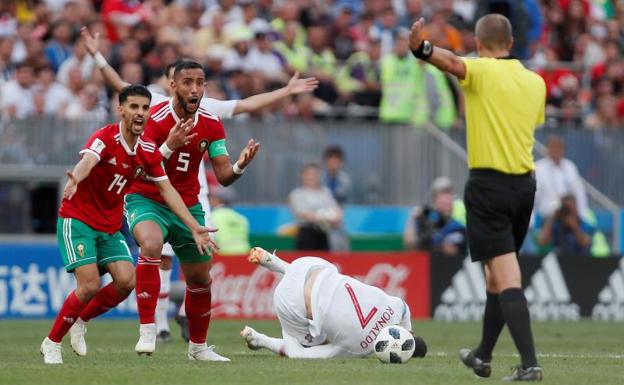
<point>139,208</point>
<point>81,245</point>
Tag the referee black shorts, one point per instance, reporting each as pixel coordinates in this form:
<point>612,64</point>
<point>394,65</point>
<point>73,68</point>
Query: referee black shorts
<point>498,211</point>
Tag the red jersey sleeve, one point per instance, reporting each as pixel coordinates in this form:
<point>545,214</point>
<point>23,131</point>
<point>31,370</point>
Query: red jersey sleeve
<point>96,145</point>
<point>154,170</point>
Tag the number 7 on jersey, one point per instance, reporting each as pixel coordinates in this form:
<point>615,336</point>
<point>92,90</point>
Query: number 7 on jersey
<point>358,309</point>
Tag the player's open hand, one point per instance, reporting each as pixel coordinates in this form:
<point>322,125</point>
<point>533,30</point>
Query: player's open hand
<point>296,86</point>
<point>179,135</point>
<point>248,153</point>
<point>71,186</point>
<point>92,41</point>
<point>203,240</point>
<point>416,34</point>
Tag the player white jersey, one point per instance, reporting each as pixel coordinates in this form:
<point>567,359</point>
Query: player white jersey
<point>347,314</point>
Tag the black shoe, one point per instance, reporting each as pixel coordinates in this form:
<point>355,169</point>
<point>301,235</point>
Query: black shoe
<point>533,373</point>
<point>163,336</point>
<point>479,367</point>
<point>183,322</point>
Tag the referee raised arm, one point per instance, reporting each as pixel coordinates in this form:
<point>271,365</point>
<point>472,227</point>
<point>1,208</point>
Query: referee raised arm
<point>504,104</point>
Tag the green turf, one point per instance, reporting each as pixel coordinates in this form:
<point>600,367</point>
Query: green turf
<point>571,353</point>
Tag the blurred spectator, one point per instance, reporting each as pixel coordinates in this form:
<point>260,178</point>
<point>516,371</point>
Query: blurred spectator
<point>565,231</point>
<point>558,177</point>
<point>342,41</point>
<point>80,58</point>
<point>322,64</point>
<point>7,66</point>
<point>386,29</point>
<point>414,91</point>
<point>438,228</point>
<point>237,57</point>
<point>211,35</point>
<point>414,10</point>
<point>87,108</point>
<point>56,97</point>
<point>17,95</point>
<point>315,209</point>
<point>296,55</point>
<point>265,60</point>
<point>360,76</point>
<point>604,116</point>
<point>120,16</point>
<point>59,48</point>
<point>334,177</point>
<point>233,235</point>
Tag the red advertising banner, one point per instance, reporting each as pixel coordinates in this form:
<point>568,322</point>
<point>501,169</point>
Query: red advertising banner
<point>243,290</point>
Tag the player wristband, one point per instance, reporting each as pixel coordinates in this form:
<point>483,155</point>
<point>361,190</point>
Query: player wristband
<point>99,61</point>
<point>165,151</point>
<point>237,170</point>
<point>424,51</point>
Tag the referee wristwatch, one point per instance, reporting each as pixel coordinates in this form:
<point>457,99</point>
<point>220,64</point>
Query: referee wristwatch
<point>424,51</point>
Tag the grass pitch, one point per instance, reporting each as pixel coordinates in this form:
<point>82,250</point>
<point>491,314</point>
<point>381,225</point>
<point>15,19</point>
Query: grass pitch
<point>571,353</point>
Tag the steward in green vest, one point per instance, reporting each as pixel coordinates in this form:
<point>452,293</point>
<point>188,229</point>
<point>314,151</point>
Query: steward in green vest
<point>233,235</point>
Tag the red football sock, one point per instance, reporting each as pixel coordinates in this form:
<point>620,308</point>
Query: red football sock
<point>147,288</point>
<point>198,302</point>
<point>66,317</point>
<point>107,298</point>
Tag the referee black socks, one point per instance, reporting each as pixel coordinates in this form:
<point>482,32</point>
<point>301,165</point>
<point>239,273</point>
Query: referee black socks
<point>515,310</point>
<point>493,322</point>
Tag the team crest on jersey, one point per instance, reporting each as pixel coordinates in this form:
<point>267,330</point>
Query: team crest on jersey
<point>81,249</point>
<point>138,171</point>
<point>203,145</point>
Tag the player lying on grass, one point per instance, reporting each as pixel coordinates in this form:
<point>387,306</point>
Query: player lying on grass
<point>224,109</point>
<point>325,314</point>
<point>114,158</point>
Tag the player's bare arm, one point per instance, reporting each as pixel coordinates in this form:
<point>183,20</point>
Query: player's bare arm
<point>294,87</point>
<point>201,234</point>
<point>78,174</point>
<point>227,173</point>
<point>441,58</point>
<point>112,78</point>
<point>178,137</point>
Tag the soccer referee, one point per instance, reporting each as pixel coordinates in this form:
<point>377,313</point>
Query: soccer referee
<point>504,104</point>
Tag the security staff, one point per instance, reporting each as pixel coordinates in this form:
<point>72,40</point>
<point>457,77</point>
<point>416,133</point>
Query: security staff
<point>504,104</point>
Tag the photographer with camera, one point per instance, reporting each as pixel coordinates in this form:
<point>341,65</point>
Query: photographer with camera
<point>439,228</point>
<point>565,231</point>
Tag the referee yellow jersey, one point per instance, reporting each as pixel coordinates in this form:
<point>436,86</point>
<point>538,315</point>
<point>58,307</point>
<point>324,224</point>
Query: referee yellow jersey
<point>504,104</point>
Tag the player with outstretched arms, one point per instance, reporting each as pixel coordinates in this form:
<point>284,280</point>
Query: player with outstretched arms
<point>114,158</point>
<point>224,109</point>
<point>325,314</point>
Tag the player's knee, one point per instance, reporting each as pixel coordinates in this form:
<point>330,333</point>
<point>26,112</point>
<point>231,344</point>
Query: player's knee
<point>151,247</point>
<point>125,283</point>
<point>199,279</point>
<point>87,289</point>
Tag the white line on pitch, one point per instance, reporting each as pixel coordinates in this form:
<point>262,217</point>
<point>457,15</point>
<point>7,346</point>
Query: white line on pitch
<point>546,355</point>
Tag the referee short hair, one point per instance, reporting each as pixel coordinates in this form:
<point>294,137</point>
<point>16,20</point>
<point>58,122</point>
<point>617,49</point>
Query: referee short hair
<point>494,31</point>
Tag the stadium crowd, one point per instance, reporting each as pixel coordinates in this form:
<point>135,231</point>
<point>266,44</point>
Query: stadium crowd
<point>356,48</point>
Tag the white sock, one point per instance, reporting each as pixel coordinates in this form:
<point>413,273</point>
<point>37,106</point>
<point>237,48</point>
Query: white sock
<point>276,345</point>
<point>274,263</point>
<point>162,306</point>
<point>182,311</point>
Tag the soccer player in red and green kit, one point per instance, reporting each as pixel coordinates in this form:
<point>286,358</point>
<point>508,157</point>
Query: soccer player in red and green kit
<point>115,157</point>
<point>151,223</point>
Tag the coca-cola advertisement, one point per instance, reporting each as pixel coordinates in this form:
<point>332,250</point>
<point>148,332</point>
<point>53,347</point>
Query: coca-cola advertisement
<point>243,290</point>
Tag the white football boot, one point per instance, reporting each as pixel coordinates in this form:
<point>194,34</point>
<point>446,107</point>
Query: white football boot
<point>147,339</point>
<point>51,352</point>
<point>77,333</point>
<point>249,335</point>
<point>203,352</point>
